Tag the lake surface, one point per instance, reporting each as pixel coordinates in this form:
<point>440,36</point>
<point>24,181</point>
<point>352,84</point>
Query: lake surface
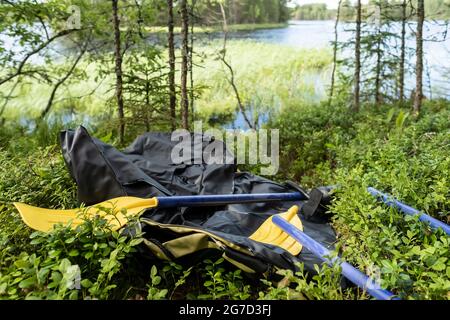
<point>320,34</point>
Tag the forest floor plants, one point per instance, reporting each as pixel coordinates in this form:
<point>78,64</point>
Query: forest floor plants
<point>321,146</point>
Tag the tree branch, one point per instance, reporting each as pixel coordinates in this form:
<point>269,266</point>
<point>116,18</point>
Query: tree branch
<point>231,80</point>
<point>19,70</point>
<point>63,79</point>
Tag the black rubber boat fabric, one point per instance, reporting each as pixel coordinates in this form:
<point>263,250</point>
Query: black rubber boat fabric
<point>145,169</point>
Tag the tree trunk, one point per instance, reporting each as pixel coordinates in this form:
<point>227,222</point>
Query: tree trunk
<point>378,68</point>
<point>335,49</point>
<point>356,102</point>
<point>147,104</point>
<point>184,63</point>
<point>191,63</point>
<point>403,53</point>
<point>378,96</point>
<point>172,87</point>
<point>379,55</point>
<point>118,69</point>
<point>419,57</point>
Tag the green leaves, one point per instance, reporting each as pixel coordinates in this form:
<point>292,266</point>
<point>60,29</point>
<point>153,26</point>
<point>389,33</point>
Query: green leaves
<point>27,283</point>
<point>156,280</point>
<point>298,286</point>
<point>153,292</point>
<point>440,264</point>
<point>401,118</point>
<point>69,264</point>
<point>390,115</point>
<point>383,149</point>
<point>223,284</point>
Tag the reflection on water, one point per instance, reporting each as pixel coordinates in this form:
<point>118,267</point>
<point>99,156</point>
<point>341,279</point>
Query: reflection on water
<point>305,34</point>
<point>319,34</point>
<point>62,119</point>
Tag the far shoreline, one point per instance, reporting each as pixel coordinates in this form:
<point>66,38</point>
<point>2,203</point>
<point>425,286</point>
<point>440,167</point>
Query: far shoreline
<point>218,28</point>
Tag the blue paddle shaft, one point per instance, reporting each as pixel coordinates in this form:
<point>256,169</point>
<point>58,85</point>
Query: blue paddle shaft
<point>220,200</point>
<point>391,202</point>
<point>351,273</point>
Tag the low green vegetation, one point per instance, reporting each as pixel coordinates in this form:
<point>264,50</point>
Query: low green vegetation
<point>322,145</point>
<point>388,150</point>
<point>64,63</point>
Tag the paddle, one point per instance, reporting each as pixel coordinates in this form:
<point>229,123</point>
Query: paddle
<point>117,212</point>
<point>393,203</point>
<point>351,273</point>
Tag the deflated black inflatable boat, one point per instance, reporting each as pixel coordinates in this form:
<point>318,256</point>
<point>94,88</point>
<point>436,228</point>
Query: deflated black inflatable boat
<point>145,169</point>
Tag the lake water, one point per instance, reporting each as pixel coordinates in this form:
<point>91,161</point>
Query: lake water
<point>320,34</point>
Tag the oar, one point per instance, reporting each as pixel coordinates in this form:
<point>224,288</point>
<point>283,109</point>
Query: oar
<point>393,203</point>
<point>351,273</point>
<point>113,211</point>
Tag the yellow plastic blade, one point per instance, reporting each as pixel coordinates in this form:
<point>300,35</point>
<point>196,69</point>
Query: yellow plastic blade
<point>270,233</point>
<point>44,219</point>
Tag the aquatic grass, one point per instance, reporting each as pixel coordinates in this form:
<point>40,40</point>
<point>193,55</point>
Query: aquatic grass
<point>267,76</point>
<point>31,97</point>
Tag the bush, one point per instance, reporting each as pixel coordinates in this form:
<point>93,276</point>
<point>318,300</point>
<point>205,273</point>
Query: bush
<point>68,263</point>
<point>321,145</point>
<point>395,153</point>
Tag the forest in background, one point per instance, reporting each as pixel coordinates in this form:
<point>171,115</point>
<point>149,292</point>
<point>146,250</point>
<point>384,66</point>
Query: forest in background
<point>65,63</point>
<point>435,9</point>
<point>208,13</point>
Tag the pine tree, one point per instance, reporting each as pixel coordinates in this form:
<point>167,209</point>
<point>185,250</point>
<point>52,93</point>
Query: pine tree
<point>419,57</point>
<point>357,79</point>
<point>184,63</point>
<point>171,45</point>
<point>118,70</point>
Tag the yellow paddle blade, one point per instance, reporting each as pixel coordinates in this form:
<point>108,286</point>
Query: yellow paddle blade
<point>44,219</point>
<point>270,233</point>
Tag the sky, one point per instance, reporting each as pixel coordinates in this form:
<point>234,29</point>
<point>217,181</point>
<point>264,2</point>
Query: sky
<point>332,4</point>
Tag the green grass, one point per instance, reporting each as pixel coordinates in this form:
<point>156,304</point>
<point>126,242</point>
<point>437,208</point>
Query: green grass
<point>321,145</point>
<point>268,76</point>
<point>32,96</point>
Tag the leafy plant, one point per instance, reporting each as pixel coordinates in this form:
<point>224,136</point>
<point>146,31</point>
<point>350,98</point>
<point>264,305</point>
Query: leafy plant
<point>153,292</point>
<point>69,263</point>
<point>223,285</point>
<point>322,145</point>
